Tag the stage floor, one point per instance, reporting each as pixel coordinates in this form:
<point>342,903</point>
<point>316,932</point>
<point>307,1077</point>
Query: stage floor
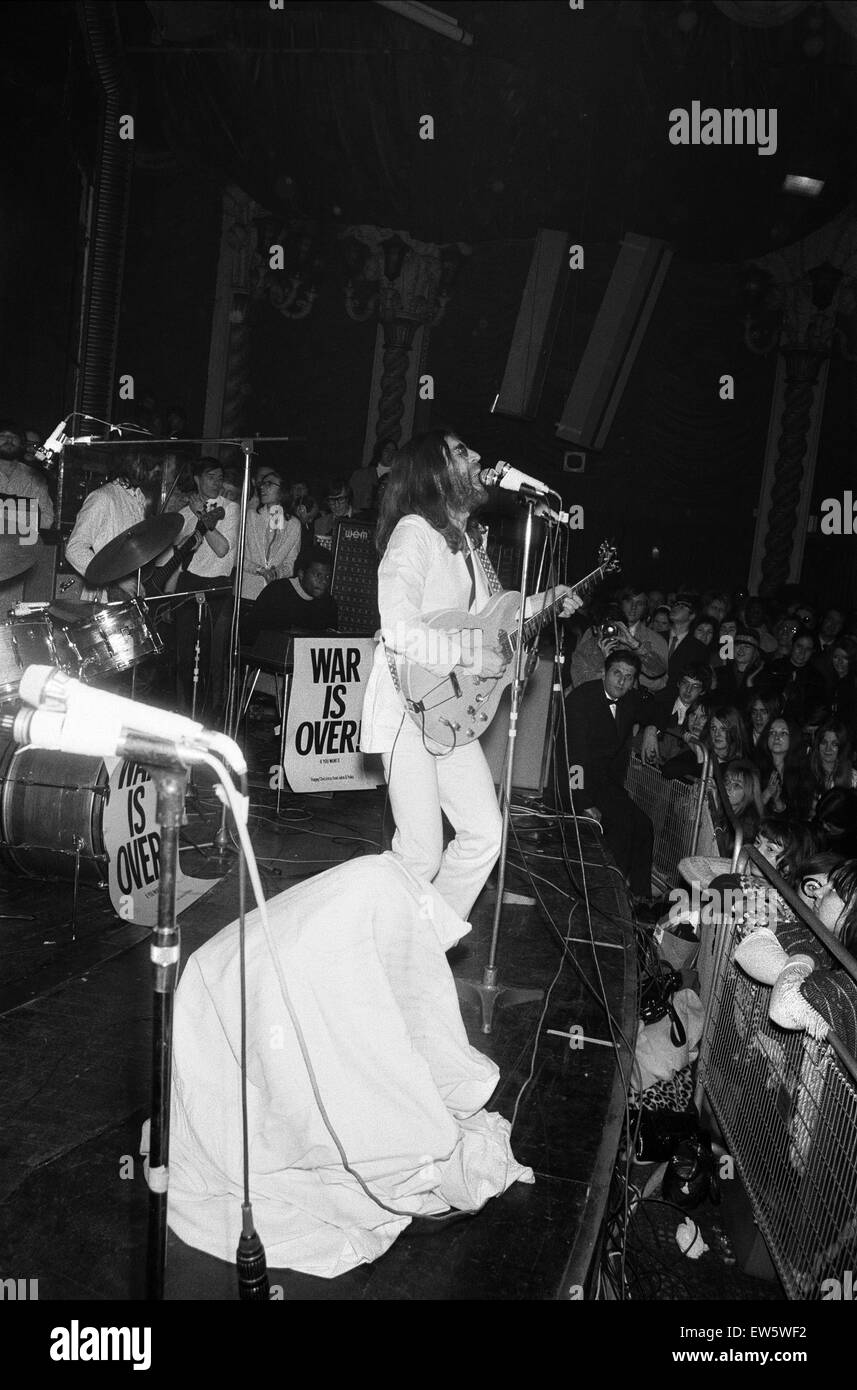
<point>75,1027</point>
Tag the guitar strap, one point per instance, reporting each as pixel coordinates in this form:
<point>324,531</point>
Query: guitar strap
<point>468,560</point>
<point>491,576</point>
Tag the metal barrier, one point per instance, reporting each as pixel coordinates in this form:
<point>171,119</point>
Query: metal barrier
<point>787,1108</point>
<point>680,817</point>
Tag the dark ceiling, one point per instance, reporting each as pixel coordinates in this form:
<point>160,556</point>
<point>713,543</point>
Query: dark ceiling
<point>553,117</point>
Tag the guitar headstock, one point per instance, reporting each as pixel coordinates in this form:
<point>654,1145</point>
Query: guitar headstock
<point>608,557</point>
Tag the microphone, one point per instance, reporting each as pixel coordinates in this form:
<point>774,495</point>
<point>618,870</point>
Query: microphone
<point>51,729</point>
<point>97,724</point>
<point>512,480</point>
<point>54,442</point>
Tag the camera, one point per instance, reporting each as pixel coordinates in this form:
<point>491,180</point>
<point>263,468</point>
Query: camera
<point>607,631</point>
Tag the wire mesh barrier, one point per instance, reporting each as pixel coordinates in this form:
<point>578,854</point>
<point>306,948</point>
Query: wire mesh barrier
<point>680,816</point>
<point>788,1114</point>
<point>786,1104</point>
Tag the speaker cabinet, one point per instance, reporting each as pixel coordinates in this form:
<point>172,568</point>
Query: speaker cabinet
<point>538,315</point>
<point>354,580</point>
<point>532,750</point>
<point>614,342</point>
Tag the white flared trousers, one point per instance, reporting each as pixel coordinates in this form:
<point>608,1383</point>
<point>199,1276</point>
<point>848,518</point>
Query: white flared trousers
<point>460,785</point>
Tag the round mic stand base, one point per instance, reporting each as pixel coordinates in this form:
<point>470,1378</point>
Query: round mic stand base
<point>492,996</point>
<point>488,992</point>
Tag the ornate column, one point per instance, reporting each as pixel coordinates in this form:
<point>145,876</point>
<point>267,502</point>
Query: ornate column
<point>799,312</point>
<point>407,283</point>
<point>229,351</point>
<point>796,446</point>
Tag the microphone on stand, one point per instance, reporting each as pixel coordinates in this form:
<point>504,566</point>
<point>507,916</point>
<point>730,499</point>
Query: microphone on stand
<point>50,729</point>
<point>54,442</point>
<point>71,717</point>
<point>510,479</point>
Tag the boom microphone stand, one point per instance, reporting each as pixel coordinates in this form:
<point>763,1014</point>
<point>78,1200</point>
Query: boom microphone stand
<point>490,994</point>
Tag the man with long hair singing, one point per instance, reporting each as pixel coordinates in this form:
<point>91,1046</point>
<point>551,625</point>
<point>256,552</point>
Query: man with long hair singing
<point>432,558</point>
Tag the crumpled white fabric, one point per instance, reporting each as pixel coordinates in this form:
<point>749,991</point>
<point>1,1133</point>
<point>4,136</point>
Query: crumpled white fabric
<point>362,948</point>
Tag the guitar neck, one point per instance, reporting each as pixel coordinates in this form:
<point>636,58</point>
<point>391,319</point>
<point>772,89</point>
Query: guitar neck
<point>532,625</point>
<point>164,573</point>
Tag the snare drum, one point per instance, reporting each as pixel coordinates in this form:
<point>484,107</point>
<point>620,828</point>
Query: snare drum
<point>51,807</point>
<point>31,639</point>
<point>113,639</point>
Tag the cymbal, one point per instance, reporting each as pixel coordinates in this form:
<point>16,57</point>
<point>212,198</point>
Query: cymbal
<point>17,558</point>
<point>134,548</point>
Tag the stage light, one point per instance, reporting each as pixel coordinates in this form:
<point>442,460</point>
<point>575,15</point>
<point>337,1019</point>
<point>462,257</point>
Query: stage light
<point>803,185</point>
<point>430,19</point>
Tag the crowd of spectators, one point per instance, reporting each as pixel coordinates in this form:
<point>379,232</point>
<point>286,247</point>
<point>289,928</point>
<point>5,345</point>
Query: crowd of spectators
<point>768,691</point>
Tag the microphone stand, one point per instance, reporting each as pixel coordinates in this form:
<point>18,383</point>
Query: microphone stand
<point>231,717</point>
<point>165,953</point>
<point>489,992</point>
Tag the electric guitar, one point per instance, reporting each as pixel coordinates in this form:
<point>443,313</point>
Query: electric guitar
<point>454,709</point>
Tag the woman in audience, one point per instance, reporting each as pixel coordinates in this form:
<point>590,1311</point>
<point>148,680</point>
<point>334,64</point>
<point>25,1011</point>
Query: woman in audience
<point>830,760</point>
<point>727,735</point>
<point>272,539</point>
<point>741,783</point>
<point>809,879</point>
<point>706,630</point>
<point>786,783</point>
<point>744,793</point>
<point>762,709</point>
<point>736,676</point>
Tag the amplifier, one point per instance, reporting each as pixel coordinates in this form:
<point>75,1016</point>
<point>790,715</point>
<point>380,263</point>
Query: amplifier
<point>532,745</point>
<point>354,579</point>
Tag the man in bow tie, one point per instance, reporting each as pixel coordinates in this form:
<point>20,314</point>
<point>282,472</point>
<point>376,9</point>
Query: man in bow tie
<point>600,717</point>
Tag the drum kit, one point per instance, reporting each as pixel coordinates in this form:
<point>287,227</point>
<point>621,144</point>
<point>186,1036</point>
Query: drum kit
<point>52,804</point>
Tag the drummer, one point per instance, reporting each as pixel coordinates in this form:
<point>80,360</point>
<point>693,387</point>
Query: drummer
<point>106,513</point>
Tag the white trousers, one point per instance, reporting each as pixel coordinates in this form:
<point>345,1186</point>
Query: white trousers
<point>460,785</point>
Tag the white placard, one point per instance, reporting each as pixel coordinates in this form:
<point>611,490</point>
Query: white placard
<point>132,841</point>
<point>323,725</point>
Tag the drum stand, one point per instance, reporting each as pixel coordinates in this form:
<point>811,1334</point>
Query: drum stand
<point>200,604</point>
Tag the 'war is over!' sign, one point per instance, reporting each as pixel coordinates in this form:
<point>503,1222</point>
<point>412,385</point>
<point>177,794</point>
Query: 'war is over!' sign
<point>325,708</point>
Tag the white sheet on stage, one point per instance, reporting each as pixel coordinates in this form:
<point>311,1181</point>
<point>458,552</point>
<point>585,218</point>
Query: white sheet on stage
<point>362,951</point>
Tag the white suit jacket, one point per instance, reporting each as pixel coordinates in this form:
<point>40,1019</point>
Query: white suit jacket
<point>418,576</point>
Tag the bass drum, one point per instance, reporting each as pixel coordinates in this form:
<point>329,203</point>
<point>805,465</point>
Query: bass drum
<point>51,808</point>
